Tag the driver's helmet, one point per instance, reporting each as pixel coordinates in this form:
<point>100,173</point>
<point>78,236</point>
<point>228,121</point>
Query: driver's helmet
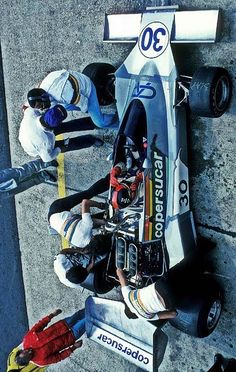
<point>121,196</point>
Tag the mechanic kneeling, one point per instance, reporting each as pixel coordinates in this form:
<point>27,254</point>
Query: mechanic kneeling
<point>77,229</point>
<point>151,302</point>
<point>72,268</point>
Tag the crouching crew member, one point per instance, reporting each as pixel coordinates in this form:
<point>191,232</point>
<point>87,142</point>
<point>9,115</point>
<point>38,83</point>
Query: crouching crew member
<point>77,229</point>
<point>38,132</point>
<point>72,268</point>
<point>80,230</point>
<point>73,90</point>
<point>151,302</point>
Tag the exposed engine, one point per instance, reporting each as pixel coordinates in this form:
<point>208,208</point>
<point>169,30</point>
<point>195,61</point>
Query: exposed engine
<point>143,262</point>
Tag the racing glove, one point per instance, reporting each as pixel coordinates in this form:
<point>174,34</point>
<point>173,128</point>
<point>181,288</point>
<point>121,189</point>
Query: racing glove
<point>116,172</point>
<point>134,185</point>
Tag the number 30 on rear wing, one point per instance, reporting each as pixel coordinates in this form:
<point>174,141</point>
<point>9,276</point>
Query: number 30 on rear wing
<point>198,26</point>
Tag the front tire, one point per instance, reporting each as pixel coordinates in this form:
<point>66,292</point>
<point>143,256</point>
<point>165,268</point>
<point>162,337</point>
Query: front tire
<point>102,76</point>
<point>210,91</point>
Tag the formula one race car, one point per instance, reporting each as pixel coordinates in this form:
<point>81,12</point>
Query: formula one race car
<point>149,215</point>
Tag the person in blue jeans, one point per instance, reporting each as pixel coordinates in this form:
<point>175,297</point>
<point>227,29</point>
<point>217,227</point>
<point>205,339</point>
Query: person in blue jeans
<point>76,322</point>
<point>44,345</point>
<point>18,179</point>
<point>74,91</point>
<point>101,120</point>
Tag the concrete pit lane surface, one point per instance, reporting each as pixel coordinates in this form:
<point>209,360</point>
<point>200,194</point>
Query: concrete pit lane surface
<point>39,37</point>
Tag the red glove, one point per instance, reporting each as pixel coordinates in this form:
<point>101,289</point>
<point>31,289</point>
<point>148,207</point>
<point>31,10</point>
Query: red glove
<point>138,179</point>
<point>116,172</point>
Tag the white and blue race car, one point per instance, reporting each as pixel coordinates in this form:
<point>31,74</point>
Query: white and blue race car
<point>155,231</point>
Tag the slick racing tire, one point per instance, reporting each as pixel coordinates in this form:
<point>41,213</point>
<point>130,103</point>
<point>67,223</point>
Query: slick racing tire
<point>102,76</point>
<point>199,312</point>
<point>101,283</point>
<point>210,92</point>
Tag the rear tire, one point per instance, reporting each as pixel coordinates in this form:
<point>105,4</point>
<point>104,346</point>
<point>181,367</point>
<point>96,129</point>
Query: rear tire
<point>199,312</point>
<point>102,76</point>
<point>210,91</point>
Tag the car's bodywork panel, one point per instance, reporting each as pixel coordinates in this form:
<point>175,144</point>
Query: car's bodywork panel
<point>125,27</point>
<point>138,341</point>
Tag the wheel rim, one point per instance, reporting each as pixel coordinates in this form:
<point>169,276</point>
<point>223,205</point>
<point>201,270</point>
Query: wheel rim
<point>221,93</point>
<point>214,314</point>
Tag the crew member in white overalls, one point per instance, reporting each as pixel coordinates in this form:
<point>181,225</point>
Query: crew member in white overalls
<point>73,90</point>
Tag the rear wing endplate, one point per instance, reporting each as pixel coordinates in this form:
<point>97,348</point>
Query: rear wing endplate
<point>136,340</point>
<point>198,26</point>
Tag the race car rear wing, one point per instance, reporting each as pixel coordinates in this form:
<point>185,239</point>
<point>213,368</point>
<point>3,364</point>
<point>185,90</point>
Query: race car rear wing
<point>198,26</point>
<point>136,340</point>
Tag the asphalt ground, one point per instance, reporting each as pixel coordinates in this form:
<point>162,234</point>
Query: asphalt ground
<point>13,319</point>
<point>38,37</point>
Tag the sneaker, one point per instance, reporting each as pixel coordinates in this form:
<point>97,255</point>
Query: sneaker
<point>48,177</point>
<point>51,164</point>
<point>54,163</point>
<point>98,142</point>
